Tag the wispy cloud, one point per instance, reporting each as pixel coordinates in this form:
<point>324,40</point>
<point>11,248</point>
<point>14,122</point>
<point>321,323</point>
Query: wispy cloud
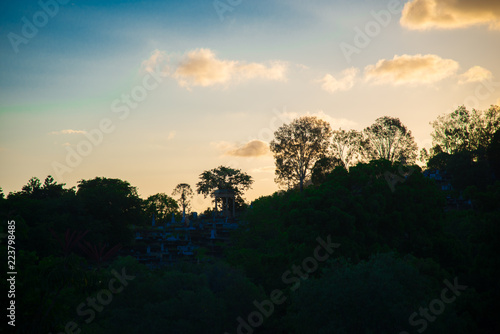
<point>408,69</point>
<point>475,74</point>
<point>201,67</point>
<point>343,82</point>
<point>158,62</point>
<point>67,132</point>
<point>450,14</point>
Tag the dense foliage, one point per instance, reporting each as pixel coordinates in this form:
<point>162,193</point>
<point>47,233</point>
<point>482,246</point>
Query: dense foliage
<point>381,247</point>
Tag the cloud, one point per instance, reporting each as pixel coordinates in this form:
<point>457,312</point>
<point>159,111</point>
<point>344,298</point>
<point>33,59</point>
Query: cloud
<point>475,74</point>
<point>450,14</point>
<point>158,62</point>
<point>334,122</point>
<point>67,132</point>
<point>345,82</point>
<point>253,148</point>
<point>201,67</point>
<point>406,69</point>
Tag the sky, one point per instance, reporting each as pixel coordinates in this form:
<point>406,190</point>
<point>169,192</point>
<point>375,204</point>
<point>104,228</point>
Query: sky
<point>156,92</point>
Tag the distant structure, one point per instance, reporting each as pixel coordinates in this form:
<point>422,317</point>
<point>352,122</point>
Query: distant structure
<point>225,195</point>
<point>170,241</point>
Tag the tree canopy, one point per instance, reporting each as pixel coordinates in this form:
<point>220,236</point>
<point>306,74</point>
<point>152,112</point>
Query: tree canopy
<point>388,138</point>
<point>464,130</point>
<point>114,205</point>
<point>348,146</point>
<point>185,193</point>
<point>161,205</point>
<point>399,243</point>
<point>297,147</point>
<point>226,178</point>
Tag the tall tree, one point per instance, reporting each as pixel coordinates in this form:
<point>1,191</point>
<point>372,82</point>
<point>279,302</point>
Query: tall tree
<point>113,205</point>
<point>185,194</point>
<point>226,178</point>
<point>348,146</point>
<point>297,147</point>
<point>389,139</point>
<point>161,205</point>
<point>464,130</point>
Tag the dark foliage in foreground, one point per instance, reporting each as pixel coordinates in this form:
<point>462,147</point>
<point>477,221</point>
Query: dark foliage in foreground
<point>399,235</point>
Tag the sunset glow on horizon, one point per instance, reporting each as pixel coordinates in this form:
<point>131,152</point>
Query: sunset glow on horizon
<point>156,92</point>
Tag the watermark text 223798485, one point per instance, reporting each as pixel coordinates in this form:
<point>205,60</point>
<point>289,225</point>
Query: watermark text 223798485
<point>11,272</point>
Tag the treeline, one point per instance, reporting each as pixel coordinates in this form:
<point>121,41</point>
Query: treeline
<point>67,242</point>
<point>401,243</point>
<point>307,149</point>
<point>389,244</point>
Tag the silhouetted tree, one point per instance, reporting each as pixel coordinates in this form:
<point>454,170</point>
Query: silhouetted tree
<point>389,139</point>
<point>224,178</point>
<point>185,194</point>
<point>464,130</point>
<point>348,146</point>
<point>296,148</point>
<point>161,205</point>
<point>113,205</point>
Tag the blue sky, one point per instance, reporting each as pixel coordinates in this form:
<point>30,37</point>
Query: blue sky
<point>227,83</point>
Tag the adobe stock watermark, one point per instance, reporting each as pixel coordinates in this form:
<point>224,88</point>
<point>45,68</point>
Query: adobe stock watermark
<point>436,306</point>
<point>372,29</point>
<point>293,277</point>
<point>30,28</point>
<point>104,297</point>
<point>223,6</point>
<point>122,107</point>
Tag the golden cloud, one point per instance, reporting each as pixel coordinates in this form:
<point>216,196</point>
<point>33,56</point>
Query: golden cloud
<point>475,74</point>
<point>345,82</point>
<point>201,68</point>
<point>450,14</point>
<point>406,69</point>
<point>253,148</point>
